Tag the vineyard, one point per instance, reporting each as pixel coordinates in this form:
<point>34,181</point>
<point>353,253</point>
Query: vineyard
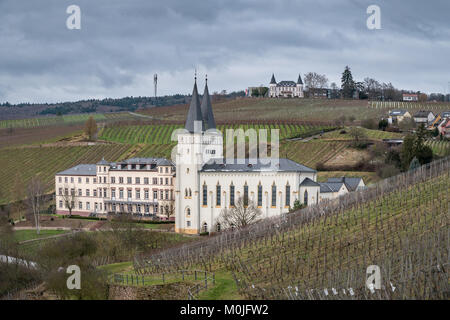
<point>25,163</point>
<point>440,148</point>
<point>370,134</point>
<point>161,134</point>
<point>66,120</point>
<point>322,252</point>
<point>435,107</point>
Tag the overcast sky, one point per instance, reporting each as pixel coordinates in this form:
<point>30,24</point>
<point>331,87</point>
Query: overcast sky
<point>238,43</point>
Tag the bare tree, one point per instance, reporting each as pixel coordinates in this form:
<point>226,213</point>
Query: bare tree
<point>70,198</point>
<point>18,194</point>
<point>169,211</point>
<point>240,215</point>
<point>90,128</point>
<point>314,81</point>
<point>357,134</point>
<point>36,199</point>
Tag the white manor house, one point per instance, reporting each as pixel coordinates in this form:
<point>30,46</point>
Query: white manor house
<point>195,188</point>
<point>286,89</point>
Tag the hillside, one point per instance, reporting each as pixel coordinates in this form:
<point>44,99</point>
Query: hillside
<point>400,224</point>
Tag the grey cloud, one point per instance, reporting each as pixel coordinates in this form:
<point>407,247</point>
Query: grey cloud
<point>122,43</point>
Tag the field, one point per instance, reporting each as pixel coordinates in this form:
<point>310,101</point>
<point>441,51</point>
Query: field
<point>370,134</point>
<point>399,224</point>
<point>316,110</point>
<point>24,235</point>
<point>66,120</point>
<point>441,148</point>
<point>162,134</point>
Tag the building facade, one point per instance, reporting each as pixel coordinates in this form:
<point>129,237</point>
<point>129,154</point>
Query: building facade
<point>140,186</point>
<point>286,89</point>
<point>207,183</point>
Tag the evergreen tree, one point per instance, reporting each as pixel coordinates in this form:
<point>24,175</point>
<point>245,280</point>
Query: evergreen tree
<point>347,83</point>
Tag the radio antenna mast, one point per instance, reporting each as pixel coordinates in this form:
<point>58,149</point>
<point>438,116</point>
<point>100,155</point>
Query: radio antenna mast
<point>155,82</point>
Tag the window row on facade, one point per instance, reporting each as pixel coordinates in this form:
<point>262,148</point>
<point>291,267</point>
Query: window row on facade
<point>103,193</point>
<point>245,195</point>
<point>129,180</point>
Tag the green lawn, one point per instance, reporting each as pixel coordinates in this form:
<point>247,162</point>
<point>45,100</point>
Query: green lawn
<point>224,289</point>
<point>22,235</point>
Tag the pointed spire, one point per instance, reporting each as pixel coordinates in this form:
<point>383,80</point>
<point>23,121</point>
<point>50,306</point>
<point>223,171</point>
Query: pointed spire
<point>272,81</point>
<point>206,107</point>
<point>299,81</point>
<point>194,113</point>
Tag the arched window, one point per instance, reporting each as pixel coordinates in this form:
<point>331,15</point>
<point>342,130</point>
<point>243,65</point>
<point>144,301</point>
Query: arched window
<point>188,212</point>
<point>205,227</point>
<point>218,195</point>
<point>245,195</point>
<point>190,193</point>
<point>288,195</point>
<point>317,200</point>
<point>305,198</point>
<point>260,196</point>
<point>205,195</point>
<point>274,195</point>
<point>186,192</point>
<point>232,195</point>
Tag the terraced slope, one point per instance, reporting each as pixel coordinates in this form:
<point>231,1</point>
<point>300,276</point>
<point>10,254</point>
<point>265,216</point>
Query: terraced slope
<point>322,252</point>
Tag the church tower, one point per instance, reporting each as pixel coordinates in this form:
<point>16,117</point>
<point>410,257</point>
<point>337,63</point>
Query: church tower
<point>299,86</point>
<point>199,143</point>
<point>272,87</point>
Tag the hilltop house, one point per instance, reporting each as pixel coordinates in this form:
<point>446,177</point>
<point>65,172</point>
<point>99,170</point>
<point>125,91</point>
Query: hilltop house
<point>397,116</point>
<point>410,97</point>
<point>424,117</point>
<point>286,89</point>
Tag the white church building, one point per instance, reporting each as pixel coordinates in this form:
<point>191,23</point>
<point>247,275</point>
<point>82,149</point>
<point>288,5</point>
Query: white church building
<point>206,184</point>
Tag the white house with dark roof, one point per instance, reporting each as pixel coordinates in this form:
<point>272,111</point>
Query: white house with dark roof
<point>286,89</point>
<point>424,117</point>
<point>396,116</point>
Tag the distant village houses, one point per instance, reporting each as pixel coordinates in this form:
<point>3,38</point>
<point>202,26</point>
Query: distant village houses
<point>410,97</point>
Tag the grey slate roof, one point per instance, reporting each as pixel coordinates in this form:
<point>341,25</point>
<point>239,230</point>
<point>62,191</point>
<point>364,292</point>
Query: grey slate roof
<point>397,112</point>
<point>284,165</point>
<point>103,162</point>
<point>286,84</point>
<point>206,108</point>
<point>307,182</point>
<point>422,114</point>
<point>272,81</point>
<point>194,113</point>
<point>299,81</point>
<point>80,170</point>
<point>326,187</point>
<point>351,183</point>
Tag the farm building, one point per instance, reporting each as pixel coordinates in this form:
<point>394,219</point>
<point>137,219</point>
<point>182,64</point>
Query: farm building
<point>396,116</point>
<point>410,97</point>
<point>424,117</point>
<point>286,89</point>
